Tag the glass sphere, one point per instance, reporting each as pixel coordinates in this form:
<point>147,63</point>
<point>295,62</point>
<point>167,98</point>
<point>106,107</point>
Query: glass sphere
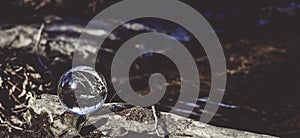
<point>82,90</point>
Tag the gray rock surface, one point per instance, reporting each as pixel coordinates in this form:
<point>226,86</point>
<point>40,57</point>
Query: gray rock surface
<point>123,120</point>
<point>57,40</point>
<point>58,37</point>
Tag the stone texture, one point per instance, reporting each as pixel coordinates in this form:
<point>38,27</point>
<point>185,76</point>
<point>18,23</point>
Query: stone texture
<point>123,120</point>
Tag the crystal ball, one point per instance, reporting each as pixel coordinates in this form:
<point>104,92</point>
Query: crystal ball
<point>82,90</point>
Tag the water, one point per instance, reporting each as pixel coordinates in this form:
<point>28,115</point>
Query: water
<point>82,90</point>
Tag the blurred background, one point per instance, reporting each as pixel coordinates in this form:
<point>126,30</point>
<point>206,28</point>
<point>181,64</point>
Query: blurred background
<point>260,40</point>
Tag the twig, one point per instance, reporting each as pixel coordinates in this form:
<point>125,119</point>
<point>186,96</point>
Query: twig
<point>39,35</point>
<point>38,39</point>
<point>156,121</point>
<point>49,133</point>
<point>114,96</point>
<point>9,124</point>
<point>11,93</point>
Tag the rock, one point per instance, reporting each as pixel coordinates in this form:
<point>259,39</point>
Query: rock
<point>123,120</point>
<point>248,61</point>
<point>48,104</point>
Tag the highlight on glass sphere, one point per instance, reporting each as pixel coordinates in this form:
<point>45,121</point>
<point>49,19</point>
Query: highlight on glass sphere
<point>82,90</point>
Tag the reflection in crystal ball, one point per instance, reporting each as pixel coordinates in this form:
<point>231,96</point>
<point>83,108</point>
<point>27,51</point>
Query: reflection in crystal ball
<point>82,90</point>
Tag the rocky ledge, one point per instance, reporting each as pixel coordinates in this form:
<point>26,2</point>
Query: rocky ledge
<point>122,120</point>
<point>251,62</point>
